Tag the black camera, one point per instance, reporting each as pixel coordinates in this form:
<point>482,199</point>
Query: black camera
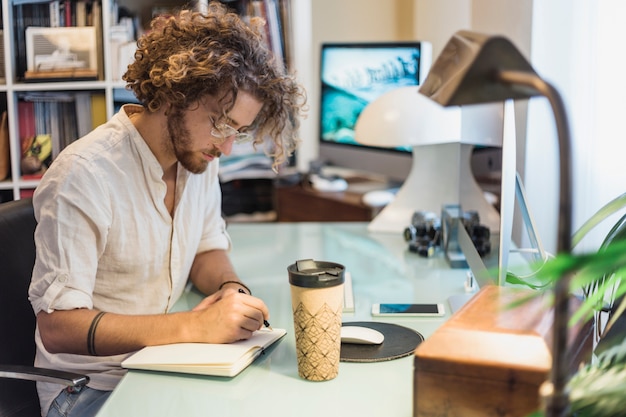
<point>424,233</point>
<point>480,234</point>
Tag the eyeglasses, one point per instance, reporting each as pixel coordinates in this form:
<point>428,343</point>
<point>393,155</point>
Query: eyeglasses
<point>222,131</point>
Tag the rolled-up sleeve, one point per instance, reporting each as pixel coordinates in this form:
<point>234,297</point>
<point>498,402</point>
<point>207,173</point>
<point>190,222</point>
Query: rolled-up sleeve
<point>70,238</point>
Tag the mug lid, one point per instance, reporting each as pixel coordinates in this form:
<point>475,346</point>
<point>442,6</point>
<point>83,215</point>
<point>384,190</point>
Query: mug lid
<point>315,274</point>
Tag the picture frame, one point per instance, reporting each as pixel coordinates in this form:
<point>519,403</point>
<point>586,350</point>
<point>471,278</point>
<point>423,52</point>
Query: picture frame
<point>61,52</point>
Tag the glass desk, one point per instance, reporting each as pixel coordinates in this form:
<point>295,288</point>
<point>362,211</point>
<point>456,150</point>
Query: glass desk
<point>382,269</point>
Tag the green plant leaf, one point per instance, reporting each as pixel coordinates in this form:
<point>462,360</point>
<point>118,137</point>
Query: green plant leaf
<point>620,309</point>
<point>516,280</point>
<point>600,272</point>
<point>598,388</point>
<point>607,210</point>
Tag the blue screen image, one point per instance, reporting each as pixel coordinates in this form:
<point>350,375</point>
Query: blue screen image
<point>409,308</point>
<point>353,76</point>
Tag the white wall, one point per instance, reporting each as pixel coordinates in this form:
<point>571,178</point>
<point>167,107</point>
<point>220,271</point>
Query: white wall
<point>542,168</point>
<point>437,20</point>
<point>318,21</point>
<point>577,46</point>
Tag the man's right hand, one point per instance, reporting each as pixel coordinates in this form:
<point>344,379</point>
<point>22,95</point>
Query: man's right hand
<point>228,316</point>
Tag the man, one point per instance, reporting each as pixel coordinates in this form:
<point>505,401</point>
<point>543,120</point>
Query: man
<point>132,211</point>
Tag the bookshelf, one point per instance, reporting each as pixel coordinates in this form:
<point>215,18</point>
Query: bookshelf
<point>69,99</point>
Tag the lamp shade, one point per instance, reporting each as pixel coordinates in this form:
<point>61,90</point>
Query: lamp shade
<point>468,71</point>
<point>404,117</point>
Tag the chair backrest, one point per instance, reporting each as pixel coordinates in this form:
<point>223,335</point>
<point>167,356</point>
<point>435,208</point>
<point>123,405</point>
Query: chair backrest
<point>17,321</point>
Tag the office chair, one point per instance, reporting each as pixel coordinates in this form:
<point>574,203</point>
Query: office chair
<point>18,395</point>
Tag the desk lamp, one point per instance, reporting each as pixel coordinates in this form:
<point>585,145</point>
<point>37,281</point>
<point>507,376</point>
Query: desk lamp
<point>476,68</point>
<point>441,172</point>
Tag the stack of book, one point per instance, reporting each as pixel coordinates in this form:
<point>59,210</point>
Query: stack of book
<point>61,117</point>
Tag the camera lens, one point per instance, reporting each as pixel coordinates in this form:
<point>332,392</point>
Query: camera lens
<point>410,233</point>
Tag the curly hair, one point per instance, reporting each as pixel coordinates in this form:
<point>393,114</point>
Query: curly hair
<point>188,56</point>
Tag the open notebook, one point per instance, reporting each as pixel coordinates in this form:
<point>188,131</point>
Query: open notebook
<point>204,358</point>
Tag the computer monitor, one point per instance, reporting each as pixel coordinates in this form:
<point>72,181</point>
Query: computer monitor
<point>351,76</point>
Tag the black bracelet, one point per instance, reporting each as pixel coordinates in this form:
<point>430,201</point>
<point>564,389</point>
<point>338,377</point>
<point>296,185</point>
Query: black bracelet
<point>234,282</point>
<point>91,335</point>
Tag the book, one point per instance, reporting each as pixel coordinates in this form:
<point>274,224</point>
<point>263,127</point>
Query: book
<point>5,156</point>
<point>26,122</point>
<point>68,13</point>
<point>257,9</point>
<point>55,13</point>
<point>96,11</point>
<point>204,358</point>
<point>2,55</point>
<point>98,110</point>
<point>55,115</point>
<point>81,13</point>
<point>274,28</point>
<point>82,104</point>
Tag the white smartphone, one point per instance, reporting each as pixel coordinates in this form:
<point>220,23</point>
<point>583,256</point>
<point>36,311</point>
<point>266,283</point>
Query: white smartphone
<point>414,310</point>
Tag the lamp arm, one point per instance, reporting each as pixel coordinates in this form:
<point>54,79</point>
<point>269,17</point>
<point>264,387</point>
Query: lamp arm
<point>557,401</point>
<point>564,243</point>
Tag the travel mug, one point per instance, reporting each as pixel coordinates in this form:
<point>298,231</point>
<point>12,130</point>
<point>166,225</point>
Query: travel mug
<point>317,303</point>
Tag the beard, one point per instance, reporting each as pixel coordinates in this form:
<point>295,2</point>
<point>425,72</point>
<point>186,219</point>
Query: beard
<point>181,143</point>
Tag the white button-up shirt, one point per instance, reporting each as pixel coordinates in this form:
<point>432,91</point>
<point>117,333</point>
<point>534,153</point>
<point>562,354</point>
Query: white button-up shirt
<point>106,240</point>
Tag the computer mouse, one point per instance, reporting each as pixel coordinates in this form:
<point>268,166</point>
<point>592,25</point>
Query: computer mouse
<point>378,198</point>
<point>322,183</point>
<point>361,335</point>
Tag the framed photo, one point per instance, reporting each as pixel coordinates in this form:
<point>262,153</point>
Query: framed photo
<point>61,52</point>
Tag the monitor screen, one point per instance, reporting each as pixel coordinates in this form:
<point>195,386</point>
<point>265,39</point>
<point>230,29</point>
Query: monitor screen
<point>352,75</point>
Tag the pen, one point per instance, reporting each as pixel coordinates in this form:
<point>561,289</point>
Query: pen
<point>265,322</point>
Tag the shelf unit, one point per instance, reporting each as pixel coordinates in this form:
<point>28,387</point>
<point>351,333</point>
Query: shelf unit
<point>15,186</point>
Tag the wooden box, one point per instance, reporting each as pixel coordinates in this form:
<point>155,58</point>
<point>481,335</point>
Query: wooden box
<point>490,359</point>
